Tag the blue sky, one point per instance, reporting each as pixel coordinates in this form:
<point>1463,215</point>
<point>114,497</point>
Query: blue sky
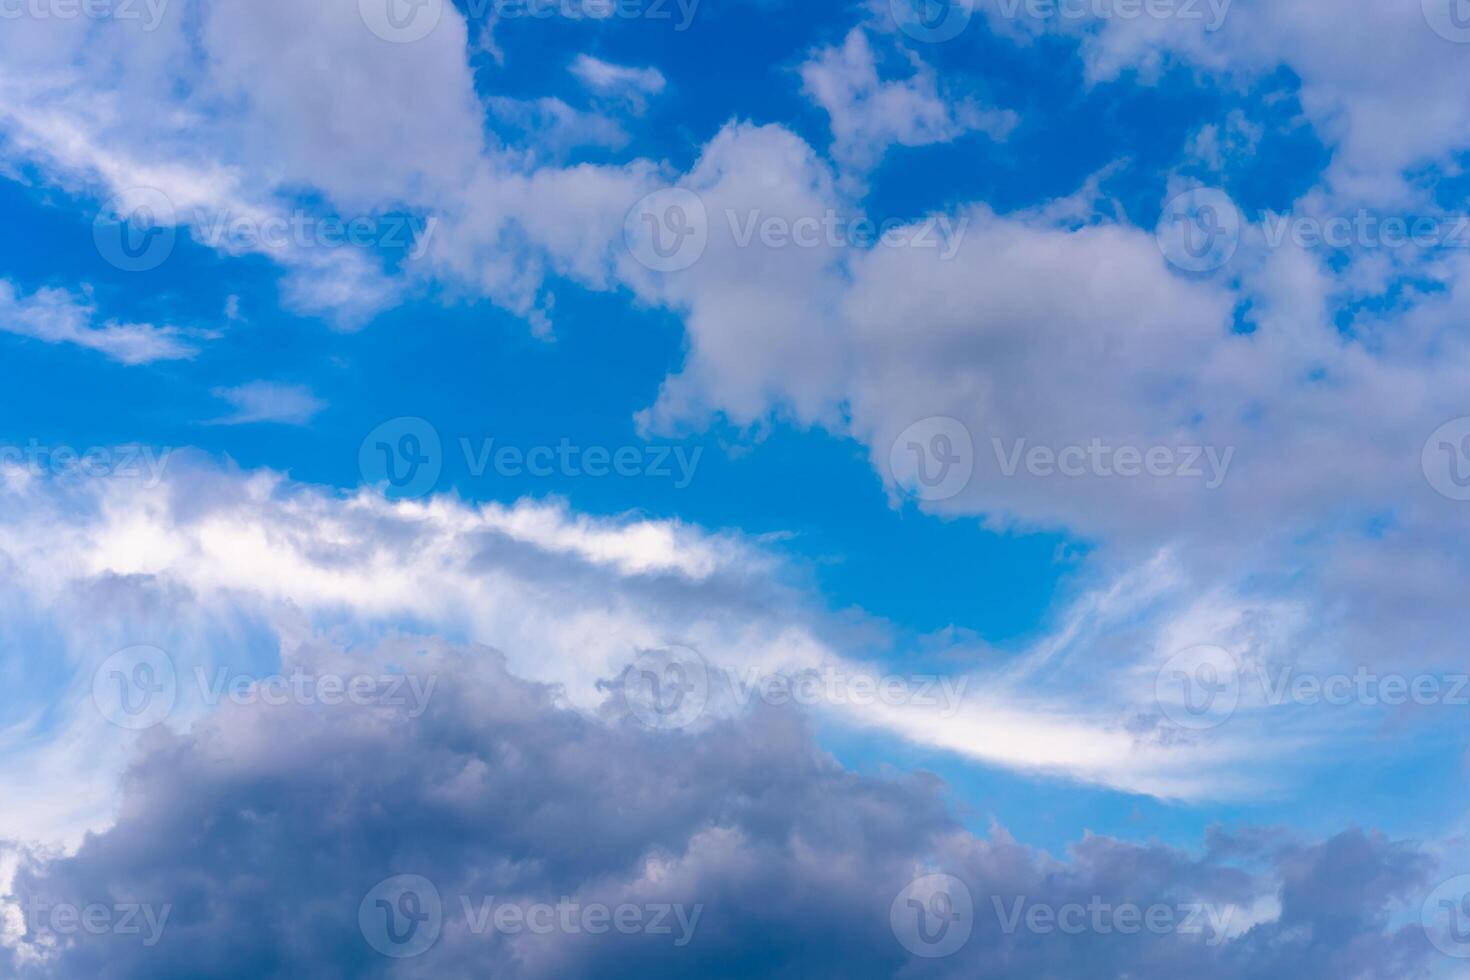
<point>1225,238</point>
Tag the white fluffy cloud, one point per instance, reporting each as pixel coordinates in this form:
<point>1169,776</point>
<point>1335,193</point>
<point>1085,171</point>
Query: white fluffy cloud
<point>870,114</point>
<point>55,316</point>
<point>220,569</point>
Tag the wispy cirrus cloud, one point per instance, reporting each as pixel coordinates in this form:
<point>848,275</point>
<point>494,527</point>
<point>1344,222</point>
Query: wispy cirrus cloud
<point>55,316</point>
<point>269,401</point>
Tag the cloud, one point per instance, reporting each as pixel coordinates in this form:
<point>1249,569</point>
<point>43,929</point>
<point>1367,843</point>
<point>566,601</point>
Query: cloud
<point>869,115</point>
<point>213,566</point>
<point>266,401</point>
<point>256,837</point>
<point>55,316</point>
<point>626,82</point>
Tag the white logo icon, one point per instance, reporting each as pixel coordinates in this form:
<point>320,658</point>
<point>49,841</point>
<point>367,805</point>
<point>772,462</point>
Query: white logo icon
<point>668,230</point>
<point>136,688</point>
<point>1199,688</point>
<point>933,916</point>
<point>933,459</point>
<point>401,21</point>
<point>1199,230</point>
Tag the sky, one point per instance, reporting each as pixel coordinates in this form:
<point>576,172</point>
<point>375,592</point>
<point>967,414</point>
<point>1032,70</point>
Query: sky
<point>905,488</point>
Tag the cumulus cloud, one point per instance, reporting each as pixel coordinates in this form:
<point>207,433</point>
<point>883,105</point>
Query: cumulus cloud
<point>778,860</point>
<point>55,316</point>
<point>633,85</point>
<point>870,114</point>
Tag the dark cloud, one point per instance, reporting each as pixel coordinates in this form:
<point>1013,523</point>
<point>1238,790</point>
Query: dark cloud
<point>264,829</point>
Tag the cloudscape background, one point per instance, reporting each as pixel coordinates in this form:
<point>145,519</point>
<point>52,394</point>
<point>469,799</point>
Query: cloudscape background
<point>556,488</point>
